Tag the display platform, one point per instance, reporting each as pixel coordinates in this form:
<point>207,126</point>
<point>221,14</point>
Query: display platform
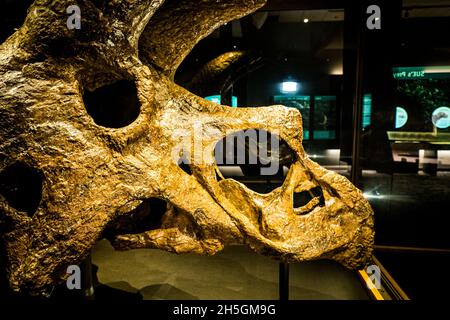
<point>234,273</point>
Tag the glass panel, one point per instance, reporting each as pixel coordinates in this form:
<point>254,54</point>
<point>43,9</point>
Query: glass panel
<point>325,117</point>
<point>406,134</point>
<point>405,142</point>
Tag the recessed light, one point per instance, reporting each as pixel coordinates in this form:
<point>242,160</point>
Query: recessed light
<point>289,86</point>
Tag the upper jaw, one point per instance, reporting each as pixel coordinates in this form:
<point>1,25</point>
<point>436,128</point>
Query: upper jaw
<point>334,222</point>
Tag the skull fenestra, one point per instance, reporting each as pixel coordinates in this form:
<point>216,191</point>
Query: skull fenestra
<point>68,178</point>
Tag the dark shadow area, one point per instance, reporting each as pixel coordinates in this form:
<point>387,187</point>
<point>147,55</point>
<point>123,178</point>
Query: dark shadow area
<point>146,216</point>
<point>21,186</point>
<point>4,285</point>
<point>12,16</point>
<point>111,293</point>
<point>410,208</point>
<point>423,276</point>
<point>113,106</point>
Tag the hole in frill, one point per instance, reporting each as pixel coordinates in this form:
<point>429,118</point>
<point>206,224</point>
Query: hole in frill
<point>113,106</point>
<point>21,187</point>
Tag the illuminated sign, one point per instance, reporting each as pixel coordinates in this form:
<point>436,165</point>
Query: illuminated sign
<point>367,110</point>
<point>218,99</point>
<point>289,87</point>
<point>401,117</point>
<point>414,73</point>
<point>409,73</point>
<point>234,101</point>
<point>441,117</point>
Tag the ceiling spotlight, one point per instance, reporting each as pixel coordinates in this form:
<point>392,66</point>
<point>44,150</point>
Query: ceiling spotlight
<point>289,86</point>
<point>306,20</point>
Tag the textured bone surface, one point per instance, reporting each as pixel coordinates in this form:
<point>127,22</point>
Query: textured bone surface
<point>94,180</point>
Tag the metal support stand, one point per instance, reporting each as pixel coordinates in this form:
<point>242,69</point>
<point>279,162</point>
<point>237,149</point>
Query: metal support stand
<point>284,281</point>
<point>86,276</point>
<point>355,173</point>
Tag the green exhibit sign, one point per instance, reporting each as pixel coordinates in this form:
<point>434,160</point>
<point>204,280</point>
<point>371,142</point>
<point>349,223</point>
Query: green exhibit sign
<point>414,73</point>
<point>409,73</point>
<point>218,99</point>
<point>367,110</point>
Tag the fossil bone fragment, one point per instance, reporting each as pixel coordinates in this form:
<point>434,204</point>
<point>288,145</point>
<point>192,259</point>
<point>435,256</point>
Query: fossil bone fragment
<point>76,166</point>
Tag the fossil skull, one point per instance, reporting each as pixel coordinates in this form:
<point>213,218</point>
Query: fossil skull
<point>83,176</point>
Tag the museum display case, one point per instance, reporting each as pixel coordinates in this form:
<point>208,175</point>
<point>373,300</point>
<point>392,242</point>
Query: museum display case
<point>322,130</point>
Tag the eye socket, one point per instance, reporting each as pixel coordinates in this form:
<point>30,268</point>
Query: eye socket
<point>21,186</point>
<point>113,106</point>
<point>305,201</point>
<point>256,158</point>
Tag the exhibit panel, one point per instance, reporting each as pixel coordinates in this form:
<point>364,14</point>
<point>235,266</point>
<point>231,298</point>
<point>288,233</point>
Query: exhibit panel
<point>404,147</point>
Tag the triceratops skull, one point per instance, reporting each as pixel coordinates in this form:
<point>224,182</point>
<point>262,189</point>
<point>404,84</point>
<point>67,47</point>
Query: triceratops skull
<point>92,175</point>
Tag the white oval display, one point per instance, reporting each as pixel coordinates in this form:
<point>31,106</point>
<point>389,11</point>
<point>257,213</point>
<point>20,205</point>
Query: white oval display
<point>441,117</point>
<point>401,117</point>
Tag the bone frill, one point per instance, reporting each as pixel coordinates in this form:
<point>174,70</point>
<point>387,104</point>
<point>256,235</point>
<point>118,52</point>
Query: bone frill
<point>91,178</point>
